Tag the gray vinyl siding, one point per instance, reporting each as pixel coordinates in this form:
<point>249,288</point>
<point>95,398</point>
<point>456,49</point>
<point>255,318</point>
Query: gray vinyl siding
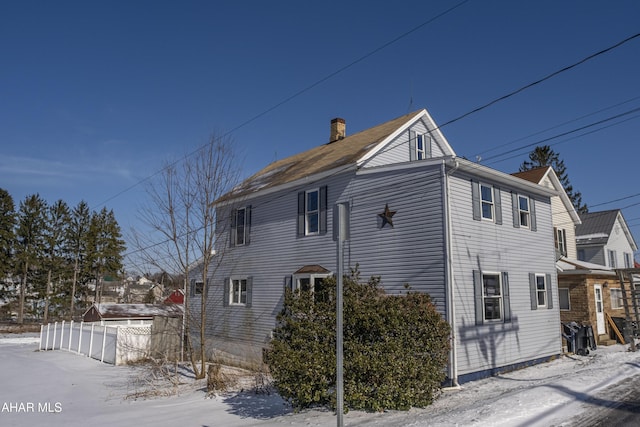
<point>397,151</point>
<point>486,246</point>
<point>412,252</point>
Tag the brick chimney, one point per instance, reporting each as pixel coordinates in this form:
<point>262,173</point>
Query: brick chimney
<point>338,130</point>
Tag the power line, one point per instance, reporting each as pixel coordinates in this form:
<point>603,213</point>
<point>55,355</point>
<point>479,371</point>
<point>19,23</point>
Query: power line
<point>300,92</point>
<point>555,73</point>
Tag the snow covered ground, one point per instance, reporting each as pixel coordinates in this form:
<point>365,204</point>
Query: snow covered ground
<point>57,388</point>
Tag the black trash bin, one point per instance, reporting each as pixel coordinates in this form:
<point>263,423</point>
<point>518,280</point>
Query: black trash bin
<point>579,338</point>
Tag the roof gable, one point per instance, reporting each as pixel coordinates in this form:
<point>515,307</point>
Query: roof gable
<point>348,152</point>
<point>546,173</point>
<point>596,227</point>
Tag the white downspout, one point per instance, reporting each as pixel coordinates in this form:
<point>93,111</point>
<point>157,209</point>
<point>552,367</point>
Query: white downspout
<point>453,362</point>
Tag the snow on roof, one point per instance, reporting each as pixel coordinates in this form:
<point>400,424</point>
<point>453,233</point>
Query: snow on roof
<point>566,265</point>
<point>137,311</point>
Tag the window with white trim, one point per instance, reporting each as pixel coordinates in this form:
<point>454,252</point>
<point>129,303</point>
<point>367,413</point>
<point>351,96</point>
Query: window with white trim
<point>524,212</point>
<point>560,240</point>
<point>563,296</point>
<point>422,149</point>
<point>612,259</point>
<point>312,212</point>
<point>628,263</point>
<point>238,291</point>
<point>240,226</point>
<point>540,288</point>
<point>198,286</point>
<point>616,299</point>
<point>486,203</point>
<point>314,283</point>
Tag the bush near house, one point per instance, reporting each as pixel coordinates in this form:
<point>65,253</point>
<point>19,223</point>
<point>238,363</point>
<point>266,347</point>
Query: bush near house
<point>395,348</point>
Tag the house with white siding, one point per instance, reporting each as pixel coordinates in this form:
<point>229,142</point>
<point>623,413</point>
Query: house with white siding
<point>479,241</point>
<point>604,238</point>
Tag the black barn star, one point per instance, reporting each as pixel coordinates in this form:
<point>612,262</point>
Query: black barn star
<point>387,216</point>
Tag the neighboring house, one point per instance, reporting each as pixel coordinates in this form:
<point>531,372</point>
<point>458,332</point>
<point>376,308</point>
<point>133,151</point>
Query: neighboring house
<point>479,241</point>
<point>128,314</point>
<point>588,290</point>
<point>604,238</point>
<point>175,297</point>
<point>565,216</point>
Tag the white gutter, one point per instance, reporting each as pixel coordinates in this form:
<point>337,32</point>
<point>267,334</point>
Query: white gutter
<point>453,359</point>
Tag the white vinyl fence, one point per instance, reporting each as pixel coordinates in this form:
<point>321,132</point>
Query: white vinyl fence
<point>117,345</point>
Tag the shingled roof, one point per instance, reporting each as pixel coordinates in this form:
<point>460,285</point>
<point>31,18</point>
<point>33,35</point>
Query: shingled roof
<point>533,175</point>
<point>343,152</point>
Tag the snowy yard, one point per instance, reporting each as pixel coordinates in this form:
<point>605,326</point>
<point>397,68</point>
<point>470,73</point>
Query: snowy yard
<point>57,388</point>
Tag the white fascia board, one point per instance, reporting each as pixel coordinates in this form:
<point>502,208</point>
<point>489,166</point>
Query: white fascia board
<point>431,126</point>
<point>627,232</point>
<point>403,166</point>
<point>485,172</point>
<point>306,181</point>
<point>563,196</point>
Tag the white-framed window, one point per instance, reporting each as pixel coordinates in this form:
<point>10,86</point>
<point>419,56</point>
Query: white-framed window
<point>312,212</point>
<point>523,211</point>
<point>486,202</point>
<point>422,146</point>
<point>238,291</point>
<point>612,259</point>
<point>564,301</point>
<point>541,290</point>
<point>628,263</point>
<point>491,293</point>
<point>560,240</point>
<point>616,299</point>
<point>492,296</point>
<point>540,287</point>
<point>240,225</point>
<point>314,283</point>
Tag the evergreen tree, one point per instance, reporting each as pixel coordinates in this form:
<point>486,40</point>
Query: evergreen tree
<point>77,241</point>
<point>7,238</point>
<point>57,221</point>
<point>7,233</point>
<point>105,248</point>
<point>29,244</point>
<point>543,156</point>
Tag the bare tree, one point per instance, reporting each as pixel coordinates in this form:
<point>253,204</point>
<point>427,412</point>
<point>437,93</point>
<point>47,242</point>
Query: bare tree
<point>181,216</point>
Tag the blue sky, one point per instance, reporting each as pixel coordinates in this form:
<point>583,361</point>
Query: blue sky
<point>95,96</point>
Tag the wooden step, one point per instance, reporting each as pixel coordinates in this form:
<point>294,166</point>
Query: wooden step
<point>604,340</point>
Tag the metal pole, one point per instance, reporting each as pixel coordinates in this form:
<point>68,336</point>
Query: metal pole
<point>342,236</point>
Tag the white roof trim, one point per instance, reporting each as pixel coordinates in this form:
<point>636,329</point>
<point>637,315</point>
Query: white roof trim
<point>431,126</point>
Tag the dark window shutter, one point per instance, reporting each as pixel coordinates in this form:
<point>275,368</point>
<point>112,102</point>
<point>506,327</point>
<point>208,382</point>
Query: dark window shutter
<point>323,209</point>
<point>516,210</point>
<point>555,238</point>
<point>533,291</point>
<point>412,145</point>
<point>475,199</point>
<point>192,287</point>
<point>205,291</point>
<point>532,214</point>
<point>225,294</point>
<point>505,297</point>
<point>548,284</point>
<point>497,204</point>
<point>477,291</point>
<point>249,290</point>
<point>288,282</point>
<point>247,225</point>
<point>300,229</point>
<point>234,226</point>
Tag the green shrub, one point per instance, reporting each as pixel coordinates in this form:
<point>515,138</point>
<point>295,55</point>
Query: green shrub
<point>395,348</point>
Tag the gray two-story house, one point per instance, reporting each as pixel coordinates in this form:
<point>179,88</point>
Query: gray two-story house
<point>479,241</point>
